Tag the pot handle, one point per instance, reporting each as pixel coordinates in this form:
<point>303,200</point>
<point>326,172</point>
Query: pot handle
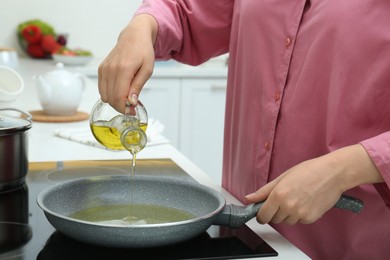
<point>235,216</point>
<point>26,115</point>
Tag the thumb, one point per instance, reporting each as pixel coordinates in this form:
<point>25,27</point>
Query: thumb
<point>261,194</point>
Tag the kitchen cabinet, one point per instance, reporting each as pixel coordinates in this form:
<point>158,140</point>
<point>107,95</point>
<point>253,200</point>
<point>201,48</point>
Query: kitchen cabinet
<point>161,98</point>
<point>202,120</point>
<point>190,102</point>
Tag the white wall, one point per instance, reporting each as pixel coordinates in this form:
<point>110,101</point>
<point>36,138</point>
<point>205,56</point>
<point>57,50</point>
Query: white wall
<point>90,24</point>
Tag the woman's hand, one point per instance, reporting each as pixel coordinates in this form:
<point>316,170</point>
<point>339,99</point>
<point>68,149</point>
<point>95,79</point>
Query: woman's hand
<point>305,192</point>
<point>129,65</point>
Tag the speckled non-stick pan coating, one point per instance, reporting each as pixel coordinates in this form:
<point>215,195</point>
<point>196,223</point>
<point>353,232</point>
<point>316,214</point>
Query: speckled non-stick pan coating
<point>61,200</point>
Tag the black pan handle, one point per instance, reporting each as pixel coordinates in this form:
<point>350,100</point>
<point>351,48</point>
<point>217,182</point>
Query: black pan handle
<point>235,216</point>
<point>349,203</point>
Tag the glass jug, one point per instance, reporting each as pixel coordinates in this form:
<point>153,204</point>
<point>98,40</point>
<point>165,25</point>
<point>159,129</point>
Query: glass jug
<point>119,131</point>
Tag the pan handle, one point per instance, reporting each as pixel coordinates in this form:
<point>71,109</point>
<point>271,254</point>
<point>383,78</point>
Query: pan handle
<point>235,216</point>
<point>349,203</point>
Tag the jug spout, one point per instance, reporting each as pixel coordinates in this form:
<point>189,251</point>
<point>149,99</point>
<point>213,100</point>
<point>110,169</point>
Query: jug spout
<point>43,89</point>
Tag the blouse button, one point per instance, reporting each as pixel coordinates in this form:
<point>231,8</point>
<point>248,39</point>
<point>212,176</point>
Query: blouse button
<point>287,41</point>
<point>277,96</point>
<point>267,145</point>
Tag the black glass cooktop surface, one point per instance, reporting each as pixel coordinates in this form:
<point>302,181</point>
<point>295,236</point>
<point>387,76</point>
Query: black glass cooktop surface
<point>25,232</point>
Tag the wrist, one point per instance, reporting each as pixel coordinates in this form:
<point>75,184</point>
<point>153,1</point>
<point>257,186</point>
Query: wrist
<point>144,26</point>
<point>353,166</point>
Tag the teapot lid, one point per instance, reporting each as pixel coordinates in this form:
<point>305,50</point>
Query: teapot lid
<point>59,71</point>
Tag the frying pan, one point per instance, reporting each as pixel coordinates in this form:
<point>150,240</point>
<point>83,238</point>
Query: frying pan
<point>208,206</point>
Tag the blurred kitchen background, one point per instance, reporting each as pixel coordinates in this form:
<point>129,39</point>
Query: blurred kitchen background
<point>173,94</point>
<point>90,24</point>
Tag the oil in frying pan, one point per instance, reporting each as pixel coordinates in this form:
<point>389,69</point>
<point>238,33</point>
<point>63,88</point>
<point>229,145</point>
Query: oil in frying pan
<point>141,214</point>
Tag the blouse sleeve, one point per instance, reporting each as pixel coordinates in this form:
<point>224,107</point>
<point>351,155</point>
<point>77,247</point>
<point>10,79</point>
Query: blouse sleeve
<point>190,31</point>
<point>378,148</point>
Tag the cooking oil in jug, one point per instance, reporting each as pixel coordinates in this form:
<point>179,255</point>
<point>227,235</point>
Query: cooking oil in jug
<point>110,135</point>
<point>119,131</point>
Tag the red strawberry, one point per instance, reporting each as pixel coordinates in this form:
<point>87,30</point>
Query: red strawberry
<point>32,33</point>
<point>35,50</point>
<point>49,44</point>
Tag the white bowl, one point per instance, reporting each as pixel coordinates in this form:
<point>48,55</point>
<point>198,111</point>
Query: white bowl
<point>72,60</point>
<point>9,57</point>
<point>11,83</point>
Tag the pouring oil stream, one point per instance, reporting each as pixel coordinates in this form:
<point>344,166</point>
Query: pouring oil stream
<point>133,139</point>
<point>134,155</point>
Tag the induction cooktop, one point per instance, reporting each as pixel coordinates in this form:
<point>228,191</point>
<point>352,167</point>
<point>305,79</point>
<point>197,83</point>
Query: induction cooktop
<point>25,232</point>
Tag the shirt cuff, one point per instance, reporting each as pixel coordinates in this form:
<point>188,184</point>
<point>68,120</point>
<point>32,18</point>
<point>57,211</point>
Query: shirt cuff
<point>378,148</point>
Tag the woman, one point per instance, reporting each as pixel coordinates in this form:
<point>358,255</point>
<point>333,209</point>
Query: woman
<point>307,107</point>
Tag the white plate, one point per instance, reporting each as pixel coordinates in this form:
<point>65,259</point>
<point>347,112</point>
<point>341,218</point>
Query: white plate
<point>72,60</point>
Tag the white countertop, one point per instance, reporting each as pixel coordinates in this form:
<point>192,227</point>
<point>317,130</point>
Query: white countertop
<point>44,146</point>
<point>169,69</point>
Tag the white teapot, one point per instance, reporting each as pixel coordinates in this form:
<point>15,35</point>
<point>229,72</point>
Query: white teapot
<point>60,91</point>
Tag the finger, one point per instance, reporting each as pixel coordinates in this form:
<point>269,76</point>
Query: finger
<point>266,212</point>
<point>138,82</point>
<point>279,217</point>
<point>118,86</point>
<point>102,82</point>
<point>291,220</point>
<point>261,194</point>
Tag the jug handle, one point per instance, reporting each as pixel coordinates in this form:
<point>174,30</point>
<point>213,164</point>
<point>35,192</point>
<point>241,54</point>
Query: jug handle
<point>44,96</point>
<point>83,79</point>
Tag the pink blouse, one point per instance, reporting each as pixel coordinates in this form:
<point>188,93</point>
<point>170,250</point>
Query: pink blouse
<point>305,78</point>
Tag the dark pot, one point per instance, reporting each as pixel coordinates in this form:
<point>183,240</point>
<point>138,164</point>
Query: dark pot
<point>13,148</point>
